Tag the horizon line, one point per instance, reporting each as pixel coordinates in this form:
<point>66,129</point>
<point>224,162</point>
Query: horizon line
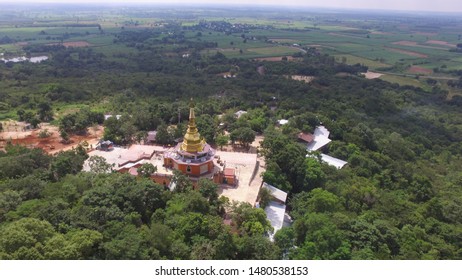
<point>228,5</point>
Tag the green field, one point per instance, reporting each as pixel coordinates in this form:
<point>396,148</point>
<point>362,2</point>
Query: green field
<point>351,59</point>
<point>404,81</point>
<point>367,40</point>
<point>273,51</point>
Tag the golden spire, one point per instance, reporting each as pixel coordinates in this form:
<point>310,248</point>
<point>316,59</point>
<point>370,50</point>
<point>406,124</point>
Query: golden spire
<point>192,139</point>
<point>192,117</point>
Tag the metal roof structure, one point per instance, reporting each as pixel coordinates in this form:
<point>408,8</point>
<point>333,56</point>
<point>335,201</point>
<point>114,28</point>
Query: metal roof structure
<point>338,163</point>
<point>276,193</point>
<point>275,213</point>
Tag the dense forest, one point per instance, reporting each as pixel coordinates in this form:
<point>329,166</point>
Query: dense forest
<point>399,197</point>
<point>51,210</point>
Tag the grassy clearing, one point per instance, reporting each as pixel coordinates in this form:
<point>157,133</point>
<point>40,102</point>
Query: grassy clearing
<point>352,48</point>
<point>451,91</point>
<point>277,23</point>
<point>389,57</point>
<point>228,41</point>
<point>254,52</point>
<point>404,81</point>
<point>273,51</point>
<point>100,40</point>
<point>351,59</point>
<point>374,54</point>
<point>65,109</point>
<point>9,48</point>
<point>109,50</point>
<point>21,33</point>
<point>335,27</point>
<point>8,115</point>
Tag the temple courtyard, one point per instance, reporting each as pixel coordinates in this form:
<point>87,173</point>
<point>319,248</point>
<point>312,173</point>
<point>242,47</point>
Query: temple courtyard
<point>247,167</point>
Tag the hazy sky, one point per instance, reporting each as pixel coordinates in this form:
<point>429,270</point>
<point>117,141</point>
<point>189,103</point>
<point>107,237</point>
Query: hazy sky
<point>409,5</point>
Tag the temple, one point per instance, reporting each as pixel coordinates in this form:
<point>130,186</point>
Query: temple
<point>193,157</point>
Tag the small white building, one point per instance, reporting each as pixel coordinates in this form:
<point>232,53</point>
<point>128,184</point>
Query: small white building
<point>109,116</point>
<point>283,122</point>
<point>321,139</point>
<point>338,163</point>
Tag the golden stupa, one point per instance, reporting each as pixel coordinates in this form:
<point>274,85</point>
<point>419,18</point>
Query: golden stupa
<point>193,156</point>
<point>192,142</point>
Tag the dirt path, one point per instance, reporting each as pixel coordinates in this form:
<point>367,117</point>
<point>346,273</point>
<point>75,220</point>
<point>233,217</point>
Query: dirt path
<point>17,133</point>
<point>424,77</point>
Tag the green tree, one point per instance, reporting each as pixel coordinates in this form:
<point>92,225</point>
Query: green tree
<point>228,119</point>
<point>208,189</point>
<point>112,130</point>
<point>44,133</point>
<point>244,135</point>
<point>181,181</point>
<point>160,239</point>
<point>180,130</point>
<point>98,164</point>
<point>249,220</point>
<point>163,135</point>
<point>257,119</point>
<point>414,243</point>
<point>45,112</point>
<point>203,249</point>
<point>74,245</point>
<point>222,140</point>
<point>22,239</point>
<point>21,114</point>
<point>64,136</point>
<point>9,200</point>
<point>125,242</point>
<point>422,188</point>
<point>256,247</point>
<point>20,161</point>
<point>145,120</point>
<point>191,201</point>
<point>274,176</point>
<point>319,238</point>
<point>317,200</point>
<point>314,175</point>
<point>147,169</point>
<point>34,122</point>
<point>120,131</point>
<point>127,129</point>
<point>367,241</point>
<point>68,162</point>
<point>284,154</point>
<point>140,136</point>
<point>265,197</point>
<point>207,127</point>
<point>285,240</point>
